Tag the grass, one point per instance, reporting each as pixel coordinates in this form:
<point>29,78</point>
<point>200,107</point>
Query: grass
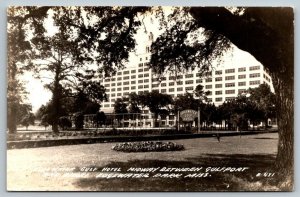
<point>25,167</point>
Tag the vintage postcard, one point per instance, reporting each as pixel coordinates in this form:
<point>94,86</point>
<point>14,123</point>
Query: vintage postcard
<point>127,98</point>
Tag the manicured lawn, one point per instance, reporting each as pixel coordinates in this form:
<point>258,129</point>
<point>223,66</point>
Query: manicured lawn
<point>26,167</point>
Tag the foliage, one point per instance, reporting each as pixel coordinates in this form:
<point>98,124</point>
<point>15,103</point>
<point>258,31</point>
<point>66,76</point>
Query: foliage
<point>157,103</point>
<point>120,106</point>
<point>79,120</point>
<point>263,101</point>
<point>99,118</point>
<point>28,120</point>
<point>65,123</point>
<point>18,57</point>
<point>147,146</point>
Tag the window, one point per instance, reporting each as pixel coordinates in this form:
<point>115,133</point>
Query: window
<point>229,91</point>
<point>229,98</point>
<point>171,83</point>
<point>198,75</point>
<point>146,69</point>
<point>107,90</point>
<point>126,83</point>
<point>163,85</point>
<point>146,86</point>
<point>147,49</point>
<point>113,95</point>
<point>106,105</point>
<point>189,88</point>
<point>107,80</point>
<point>154,85</point>
<point>140,86</point>
<point>179,82</point>
<point>133,71</point>
<point>254,82</point>
<point>119,78</point>
<point>242,69</point>
<point>141,70</point>
<point>219,99</point>
<point>113,89</point>
<point>140,75</point>
<point>140,81</point>
<point>189,75</point>
<point>230,70</point>
<point>229,84</point>
<point>171,90</point>
<point>141,59</point>
<point>126,72</point>
<point>218,92</point>
<point>218,72</point>
<point>163,90</point>
<point>199,81</point>
<point>146,75</point>
<point>179,89</point>
<point>243,83</point>
<point>125,78</point>
<point>230,77</point>
<point>126,88</point>
<point>218,86</point>
<point>253,75</point>
<point>172,78</point>
<point>218,79</point>
<point>140,64</point>
<point>208,86</point>
<point>113,79</point>
<point>119,84</point>
<point>132,87</point>
<point>242,76</point>
<point>132,82</point>
<point>189,82</point>
<point>208,80</point>
<point>106,85</point>
<point>133,76</point>
<point>119,73</point>
<point>146,80</point>
<point>119,94</point>
<point>119,89</point>
<point>254,68</point>
<point>113,84</point>
<point>209,99</point>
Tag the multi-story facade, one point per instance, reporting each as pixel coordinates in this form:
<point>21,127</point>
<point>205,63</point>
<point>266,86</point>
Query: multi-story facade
<point>223,83</point>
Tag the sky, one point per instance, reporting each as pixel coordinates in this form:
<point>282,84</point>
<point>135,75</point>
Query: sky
<point>38,95</point>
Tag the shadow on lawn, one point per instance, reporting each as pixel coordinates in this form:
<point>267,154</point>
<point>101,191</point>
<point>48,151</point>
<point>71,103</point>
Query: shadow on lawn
<point>218,181</point>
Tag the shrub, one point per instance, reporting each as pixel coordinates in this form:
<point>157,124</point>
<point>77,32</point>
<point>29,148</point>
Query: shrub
<point>28,120</point>
<point>65,123</point>
<point>147,146</point>
<point>79,120</point>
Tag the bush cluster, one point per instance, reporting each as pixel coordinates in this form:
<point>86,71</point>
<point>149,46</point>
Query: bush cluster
<point>147,146</point>
<point>141,132</point>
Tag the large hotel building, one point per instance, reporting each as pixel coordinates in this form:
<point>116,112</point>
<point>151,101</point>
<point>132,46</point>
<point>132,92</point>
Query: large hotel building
<point>223,83</point>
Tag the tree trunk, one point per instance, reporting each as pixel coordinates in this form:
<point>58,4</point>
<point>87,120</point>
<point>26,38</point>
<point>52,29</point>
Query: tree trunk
<point>284,164</point>
<point>56,101</point>
<point>12,118</point>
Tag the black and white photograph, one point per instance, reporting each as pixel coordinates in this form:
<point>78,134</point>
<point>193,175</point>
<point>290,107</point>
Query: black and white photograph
<point>150,98</point>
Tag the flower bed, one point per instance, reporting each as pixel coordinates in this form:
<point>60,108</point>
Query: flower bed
<point>147,146</point>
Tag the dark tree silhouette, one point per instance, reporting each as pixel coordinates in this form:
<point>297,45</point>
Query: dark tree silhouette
<point>266,33</point>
